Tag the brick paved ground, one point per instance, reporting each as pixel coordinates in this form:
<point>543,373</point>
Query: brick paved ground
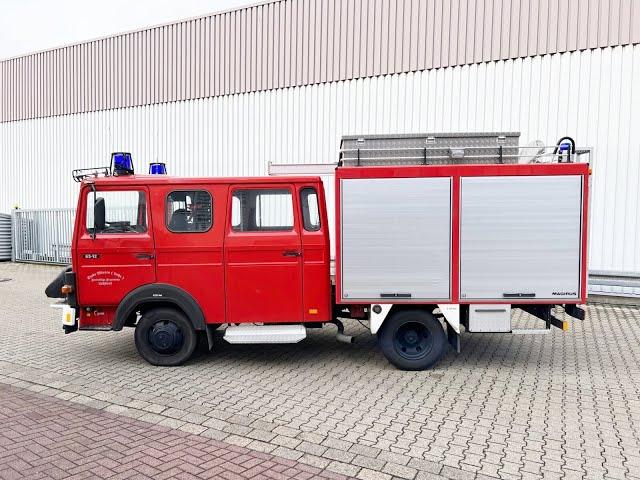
<point>563,405</point>
<point>43,437</point>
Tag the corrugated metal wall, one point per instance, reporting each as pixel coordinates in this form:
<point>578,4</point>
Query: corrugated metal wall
<point>302,42</point>
<point>5,237</point>
<point>590,95</point>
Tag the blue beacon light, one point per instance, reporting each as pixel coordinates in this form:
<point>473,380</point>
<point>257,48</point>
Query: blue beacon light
<point>122,163</point>
<point>157,168</point>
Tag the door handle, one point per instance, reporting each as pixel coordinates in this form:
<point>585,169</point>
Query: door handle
<point>144,256</point>
<point>291,253</point>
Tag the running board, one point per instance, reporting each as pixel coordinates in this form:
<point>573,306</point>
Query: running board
<point>265,333</point>
<point>531,331</point>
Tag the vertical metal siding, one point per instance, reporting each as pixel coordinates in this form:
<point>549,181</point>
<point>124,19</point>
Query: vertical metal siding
<point>5,237</point>
<point>590,95</point>
<point>300,42</point>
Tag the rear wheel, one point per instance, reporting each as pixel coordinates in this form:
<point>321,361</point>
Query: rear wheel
<point>165,337</point>
<point>412,339</point>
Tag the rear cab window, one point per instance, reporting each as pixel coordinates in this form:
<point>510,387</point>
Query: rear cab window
<point>116,212</point>
<point>189,211</point>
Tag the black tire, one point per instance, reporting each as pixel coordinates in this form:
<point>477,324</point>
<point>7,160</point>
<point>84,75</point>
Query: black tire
<point>412,339</point>
<point>165,337</point>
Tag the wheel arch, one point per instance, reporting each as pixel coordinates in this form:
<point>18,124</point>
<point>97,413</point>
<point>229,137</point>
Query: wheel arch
<point>378,319</point>
<point>159,295</point>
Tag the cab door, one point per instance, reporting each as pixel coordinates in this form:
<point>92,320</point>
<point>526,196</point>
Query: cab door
<point>115,251</point>
<point>189,241</point>
<point>263,255</point>
<point>316,259</point>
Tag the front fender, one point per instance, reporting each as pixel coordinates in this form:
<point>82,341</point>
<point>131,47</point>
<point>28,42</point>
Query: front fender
<point>159,293</point>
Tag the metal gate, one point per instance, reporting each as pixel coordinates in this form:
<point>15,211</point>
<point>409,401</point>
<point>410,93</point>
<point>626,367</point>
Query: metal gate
<point>43,236</point>
<point>5,237</point>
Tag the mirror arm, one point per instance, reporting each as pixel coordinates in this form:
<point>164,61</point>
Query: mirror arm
<point>93,232</point>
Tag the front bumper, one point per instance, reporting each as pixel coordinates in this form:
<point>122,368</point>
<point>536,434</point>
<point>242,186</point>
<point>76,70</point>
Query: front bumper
<point>69,320</point>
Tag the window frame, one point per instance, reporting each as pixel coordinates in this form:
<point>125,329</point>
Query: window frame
<point>93,193</point>
<point>265,188</point>
<point>178,232</point>
<point>302,209</point>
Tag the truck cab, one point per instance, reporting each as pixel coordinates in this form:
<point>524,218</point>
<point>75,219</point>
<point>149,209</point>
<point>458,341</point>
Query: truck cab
<point>214,251</point>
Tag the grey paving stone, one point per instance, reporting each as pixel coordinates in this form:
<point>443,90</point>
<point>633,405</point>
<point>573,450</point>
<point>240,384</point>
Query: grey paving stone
<point>336,454</point>
<point>336,443</point>
<point>505,406</point>
<point>314,460</point>
<point>216,434</point>
<point>401,471</point>
<point>343,468</point>
<point>393,457</point>
<point>285,452</point>
<point>425,465</point>
<point>366,474</point>
<point>368,462</point>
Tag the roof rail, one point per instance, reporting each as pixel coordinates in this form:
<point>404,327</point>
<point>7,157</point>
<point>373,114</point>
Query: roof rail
<point>452,149</point>
<point>80,174</point>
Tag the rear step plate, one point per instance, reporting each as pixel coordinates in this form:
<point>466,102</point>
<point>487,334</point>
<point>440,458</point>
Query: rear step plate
<point>265,334</point>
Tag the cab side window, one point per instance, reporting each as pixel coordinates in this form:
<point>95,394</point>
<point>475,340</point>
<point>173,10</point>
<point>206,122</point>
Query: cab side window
<point>189,211</point>
<point>122,211</point>
<point>310,209</point>
<point>262,210</point>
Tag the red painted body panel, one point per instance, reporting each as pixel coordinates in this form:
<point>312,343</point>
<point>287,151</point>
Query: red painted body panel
<point>316,265</point>
<point>456,172</point>
<point>98,318</point>
<point>263,285</point>
<point>108,268</point>
<point>193,261</point>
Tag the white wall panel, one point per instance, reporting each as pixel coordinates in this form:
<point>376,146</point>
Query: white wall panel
<point>589,95</point>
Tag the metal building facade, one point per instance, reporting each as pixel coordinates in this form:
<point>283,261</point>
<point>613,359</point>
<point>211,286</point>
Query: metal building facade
<point>288,43</point>
<point>226,94</point>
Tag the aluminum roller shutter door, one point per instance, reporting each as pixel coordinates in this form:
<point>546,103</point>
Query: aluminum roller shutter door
<point>520,235</point>
<point>395,239</point>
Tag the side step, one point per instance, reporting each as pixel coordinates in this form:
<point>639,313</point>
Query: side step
<point>530,331</point>
<point>265,333</point>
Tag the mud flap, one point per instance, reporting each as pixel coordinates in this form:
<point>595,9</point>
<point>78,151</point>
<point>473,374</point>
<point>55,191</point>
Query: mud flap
<point>574,311</point>
<point>453,337</point>
<point>209,331</point>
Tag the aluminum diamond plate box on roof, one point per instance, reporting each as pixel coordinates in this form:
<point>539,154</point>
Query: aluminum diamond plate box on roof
<point>430,149</point>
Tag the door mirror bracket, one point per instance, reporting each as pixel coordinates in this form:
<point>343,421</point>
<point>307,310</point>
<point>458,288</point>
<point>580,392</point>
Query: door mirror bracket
<point>93,231</point>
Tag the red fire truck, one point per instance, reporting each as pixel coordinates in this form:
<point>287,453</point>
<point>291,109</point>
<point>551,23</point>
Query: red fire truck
<point>433,234</point>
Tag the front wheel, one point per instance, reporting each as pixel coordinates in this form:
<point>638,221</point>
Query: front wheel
<point>165,337</point>
<point>412,339</point>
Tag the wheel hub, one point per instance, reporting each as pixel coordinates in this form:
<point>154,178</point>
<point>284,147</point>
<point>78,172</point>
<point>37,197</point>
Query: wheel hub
<point>411,337</point>
<point>165,337</point>
<point>413,341</point>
